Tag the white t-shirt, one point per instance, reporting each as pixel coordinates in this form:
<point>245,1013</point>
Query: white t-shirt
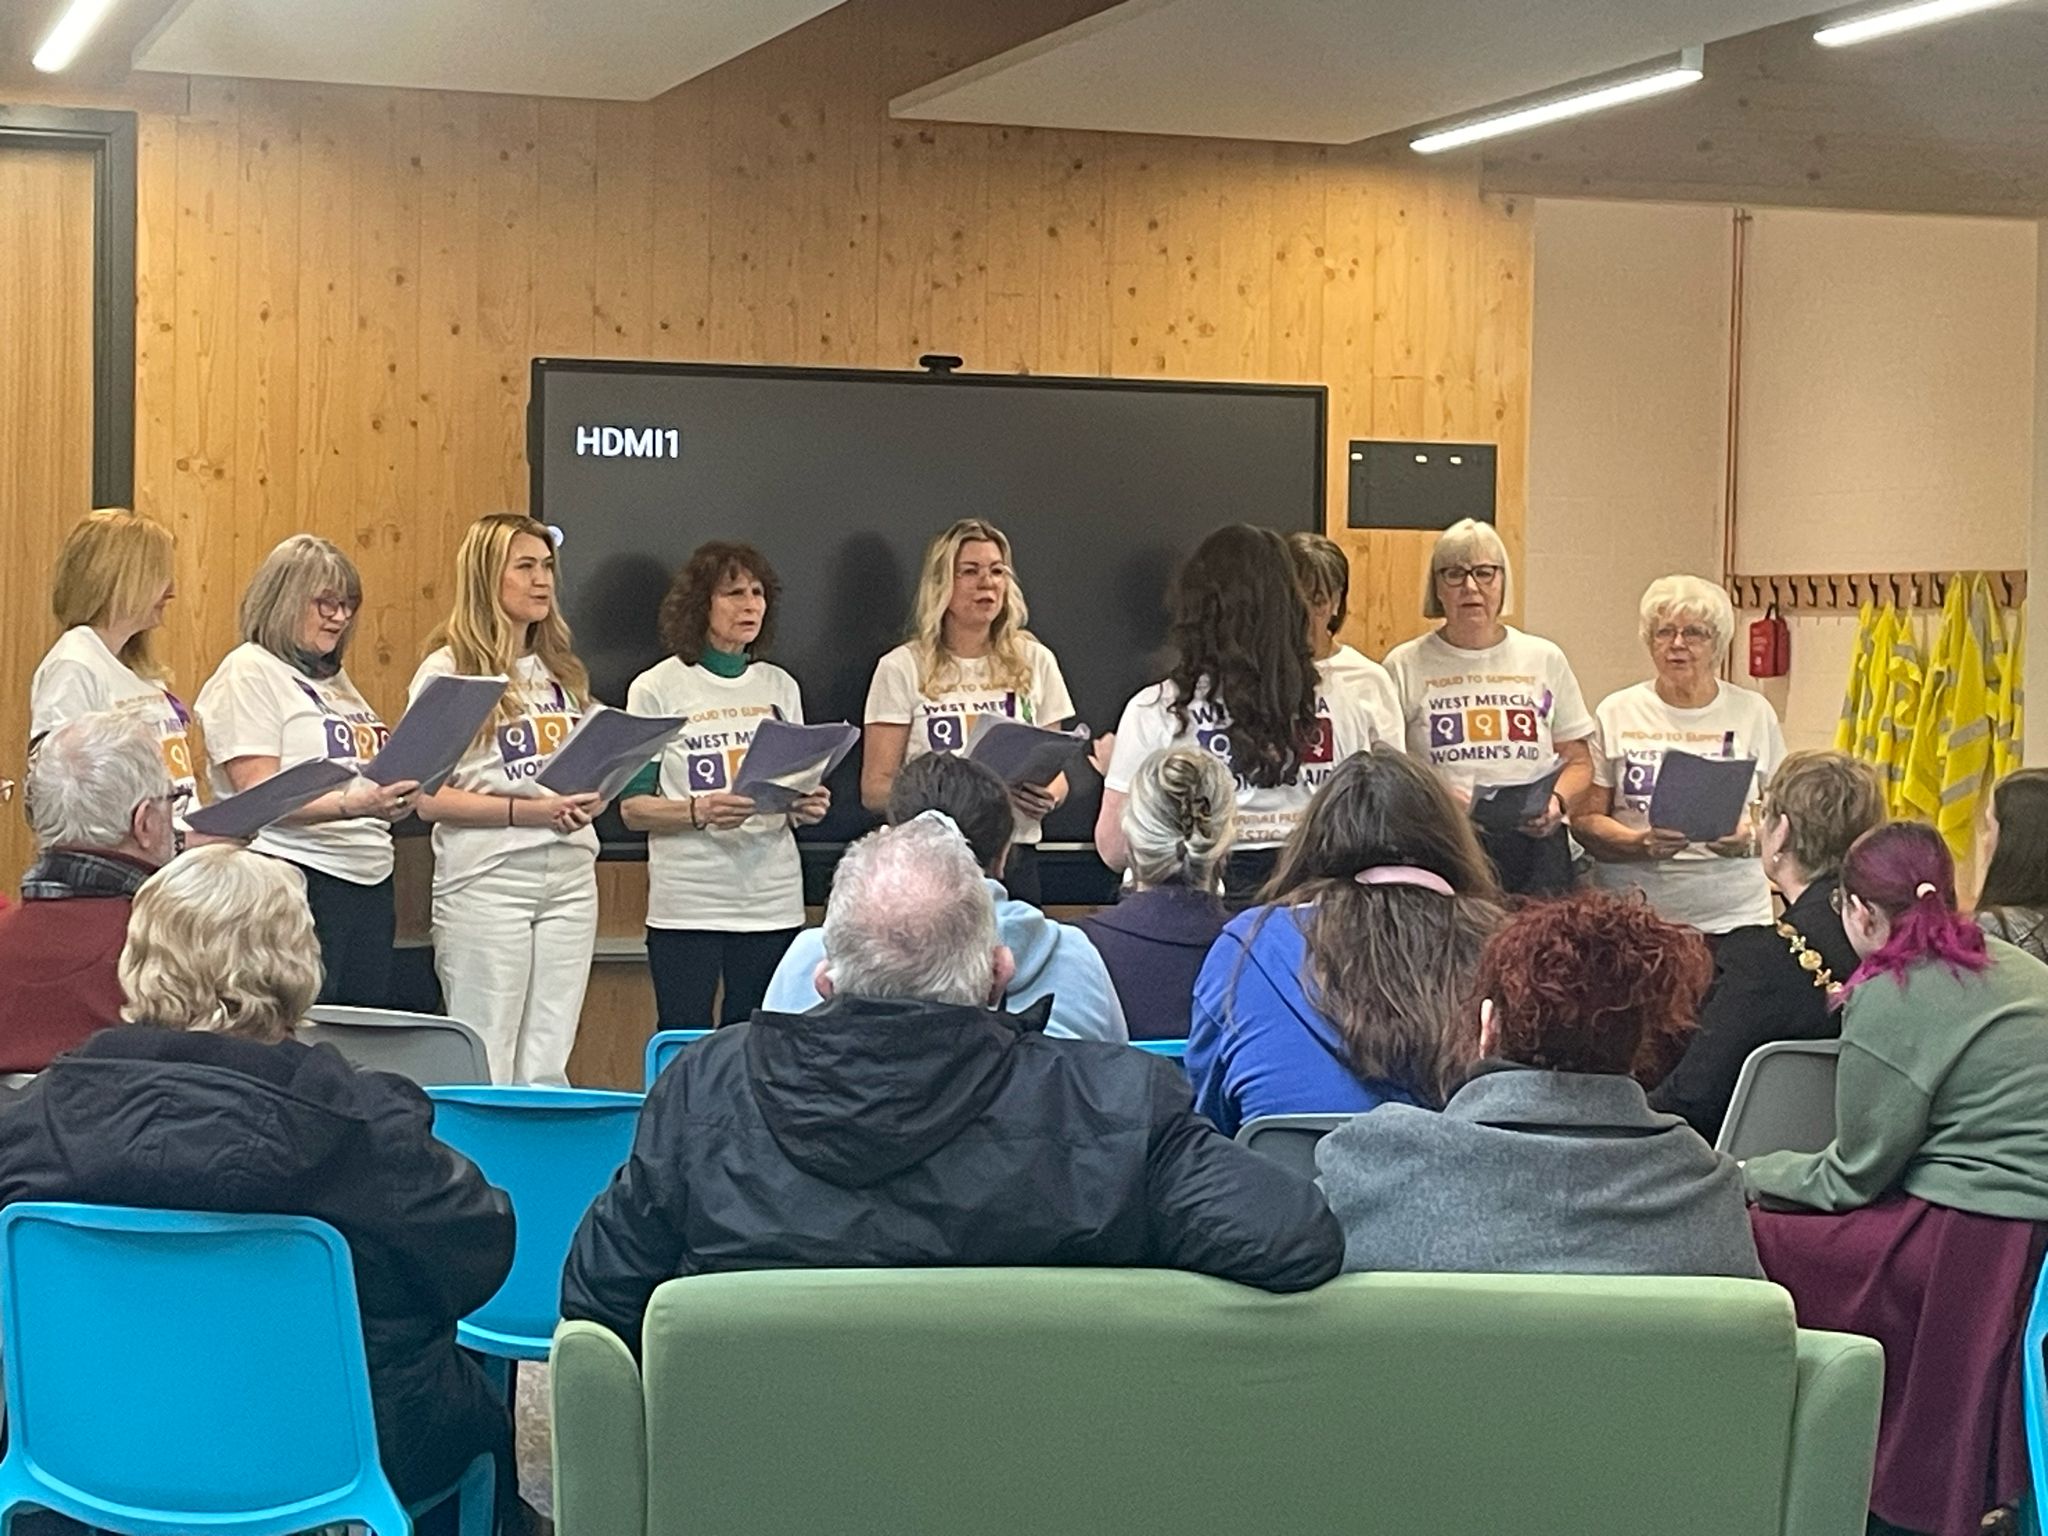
<point>259,705</point>
<point>1346,670</point>
<point>1695,886</point>
<point>1264,816</point>
<point>743,879</point>
<point>80,676</point>
<point>1495,716</point>
<point>945,723</point>
<point>504,761</point>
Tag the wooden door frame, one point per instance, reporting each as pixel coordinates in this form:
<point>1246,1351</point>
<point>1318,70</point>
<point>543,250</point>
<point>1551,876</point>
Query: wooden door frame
<point>109,137</point>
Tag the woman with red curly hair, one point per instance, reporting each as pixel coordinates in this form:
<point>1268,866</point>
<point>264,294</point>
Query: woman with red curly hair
<point>1549,1159</point>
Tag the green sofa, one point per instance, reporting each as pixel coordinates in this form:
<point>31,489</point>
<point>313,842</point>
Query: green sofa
<point>1149,1403</point>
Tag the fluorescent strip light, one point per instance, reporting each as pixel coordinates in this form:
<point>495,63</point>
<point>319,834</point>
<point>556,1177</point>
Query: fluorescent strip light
<point>1900,19</point>
<point>1686,72</point>
<point>70,34</point>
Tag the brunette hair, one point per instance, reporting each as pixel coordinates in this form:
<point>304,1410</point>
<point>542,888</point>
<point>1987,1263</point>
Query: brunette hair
<point>1239,631</point>
<point>1324,570</point>
<point>1828,800</point>
<point>2018,874</point>
<point>686,608</point>
<point>975,800</point>
<point>1904,870</point>
<point>1391,966</point>
<point>1594,983</point>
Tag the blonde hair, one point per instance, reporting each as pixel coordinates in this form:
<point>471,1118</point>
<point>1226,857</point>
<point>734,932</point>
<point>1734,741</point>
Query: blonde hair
<point>112,568</point>
<point>1467,542</point>
<point>1828,800</point>
<point>1674,598</point>
<point>303,567</point>
<point>1180,819</point>
<point>937,667</point>
<point>221,939</point>
<point>481,640</point>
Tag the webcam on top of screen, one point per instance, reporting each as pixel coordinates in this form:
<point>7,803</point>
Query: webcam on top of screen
<point>629,443</point>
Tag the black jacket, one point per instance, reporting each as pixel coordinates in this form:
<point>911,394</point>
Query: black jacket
<point>1760,993</point>
<point>169,1119</point>
<point>879,1134</point>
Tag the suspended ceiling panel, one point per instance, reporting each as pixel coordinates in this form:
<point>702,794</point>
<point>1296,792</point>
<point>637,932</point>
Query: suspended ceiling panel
<point>625,50</point>
<point>1317,71</point>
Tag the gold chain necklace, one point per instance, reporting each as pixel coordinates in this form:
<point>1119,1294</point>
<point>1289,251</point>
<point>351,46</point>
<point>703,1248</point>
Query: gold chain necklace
<point>1810,961</point>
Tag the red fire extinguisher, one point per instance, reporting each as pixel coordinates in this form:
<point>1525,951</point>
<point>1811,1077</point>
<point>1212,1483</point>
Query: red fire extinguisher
<point>1770,645</point>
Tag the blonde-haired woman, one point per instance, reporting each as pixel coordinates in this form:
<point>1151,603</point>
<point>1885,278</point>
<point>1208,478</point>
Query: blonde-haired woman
<point>112,581</point>
<point>1179,822</point>
<point>205,1101</point>
<point>282,697</point>
<point>1687,625</point>
<point>968,659</point>
<point>515,867</point>
<point>1487,704</point>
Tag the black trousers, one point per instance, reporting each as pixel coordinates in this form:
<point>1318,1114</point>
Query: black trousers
<point>357,926</point>
<point>1020,874</point>
<point>1245,873</point>
<point>1529,866</point>
<point>688,963</point>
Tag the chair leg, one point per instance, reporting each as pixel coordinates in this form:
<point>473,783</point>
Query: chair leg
<point>476,1513</point>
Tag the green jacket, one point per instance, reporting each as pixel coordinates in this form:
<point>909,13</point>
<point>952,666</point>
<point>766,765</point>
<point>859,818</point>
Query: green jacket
<point>1942,1092</point>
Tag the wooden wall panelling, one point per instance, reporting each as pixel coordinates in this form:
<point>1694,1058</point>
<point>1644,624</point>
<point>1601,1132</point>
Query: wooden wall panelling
<point>1015,251</point>
<point>1074,333</point>
<point>267,319</point>
<point>565,254</point>
<point>623,229</point>
<point>681,267</point>
<point>507,168</point>
<point>449,479</point>
<point>333,437</point>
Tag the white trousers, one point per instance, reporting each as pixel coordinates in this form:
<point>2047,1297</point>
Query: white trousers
<point>513,951</point>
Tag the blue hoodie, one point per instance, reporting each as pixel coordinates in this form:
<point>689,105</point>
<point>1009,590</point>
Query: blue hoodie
<point>1053,960</point>
<point>1256,1045</point>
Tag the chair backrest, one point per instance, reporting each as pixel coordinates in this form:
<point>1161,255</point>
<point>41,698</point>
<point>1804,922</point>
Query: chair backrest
<point>553,1150</point>
<point>1289,1139</point>
<point>2034,1390</point>
<point>665,1045</point>
<point>186,1369</point>
<point>1784,1100</point>
<point>1177,1049</point>
<point>424,1047</point>
<point>965,1401</point>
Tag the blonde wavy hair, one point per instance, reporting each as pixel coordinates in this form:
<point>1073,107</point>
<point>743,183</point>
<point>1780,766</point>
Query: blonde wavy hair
<point>303,567</point>
<point>112,568</point>
<point>221,940</point>
<point>480,638</point>
<point>937,667</point>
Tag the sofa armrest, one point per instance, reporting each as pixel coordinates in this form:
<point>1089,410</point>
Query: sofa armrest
<point>1834,1434</point>
<point>600,1434</point>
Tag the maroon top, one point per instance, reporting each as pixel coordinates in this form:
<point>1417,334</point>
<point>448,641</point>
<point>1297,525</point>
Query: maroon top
<point>57,976</point>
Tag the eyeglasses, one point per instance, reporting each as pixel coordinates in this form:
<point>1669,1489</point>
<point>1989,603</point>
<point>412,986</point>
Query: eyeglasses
<point>1458,575</point>
<point>1692,634</point>
<point>336,607</point>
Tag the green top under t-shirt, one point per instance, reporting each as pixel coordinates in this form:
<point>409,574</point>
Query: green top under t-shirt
<point>1942,1092</point>
<point>719,664</point>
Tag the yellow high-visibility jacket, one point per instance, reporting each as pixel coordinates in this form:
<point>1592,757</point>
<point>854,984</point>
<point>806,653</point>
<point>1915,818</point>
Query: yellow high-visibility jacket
<point>1934,718</point>
<point>1856,698</point>
<point>2008,750</point>
<point>1892,726</point>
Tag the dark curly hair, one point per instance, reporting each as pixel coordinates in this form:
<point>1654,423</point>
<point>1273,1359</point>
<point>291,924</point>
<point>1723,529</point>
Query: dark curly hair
<point>686,609</point>
<point>1240,636</point>
<point>1594,983</point>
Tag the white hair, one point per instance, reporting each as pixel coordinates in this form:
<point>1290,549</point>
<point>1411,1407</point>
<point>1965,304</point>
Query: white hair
<point>1674,599</point>
<point>88,775</point>
<point>1180,819</point>
<point>1469,542</point>
<point>910,918</point>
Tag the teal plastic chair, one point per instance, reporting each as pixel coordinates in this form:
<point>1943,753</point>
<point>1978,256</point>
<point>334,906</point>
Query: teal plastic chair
<point>2034,1397</point>
<point>1177,1049</point>
<point>553,1150</point>
<point>665,1045</point>
<point>172,1371</point>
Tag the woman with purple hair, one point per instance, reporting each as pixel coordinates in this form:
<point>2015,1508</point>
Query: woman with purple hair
<point>1922,1223</point>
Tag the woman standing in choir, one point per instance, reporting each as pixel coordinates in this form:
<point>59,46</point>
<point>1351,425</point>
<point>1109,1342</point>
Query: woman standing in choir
<point>725,891</point>
<point>968,660</point>
<point>515,866</point>
<point>112,582</point>
<point>281,698</point>
<point>1244,687</point>
<point>1324,571</point>
<point>1487,704</point>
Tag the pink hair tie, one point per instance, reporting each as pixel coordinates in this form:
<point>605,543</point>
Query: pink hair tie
<point>1924,890</point>
<point>1405,874</point>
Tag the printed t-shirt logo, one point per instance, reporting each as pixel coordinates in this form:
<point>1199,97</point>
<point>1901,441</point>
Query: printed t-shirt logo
<point>1639,776</point>
<point>532,736</point>
<point>714,770</point>
<point>949,725</point>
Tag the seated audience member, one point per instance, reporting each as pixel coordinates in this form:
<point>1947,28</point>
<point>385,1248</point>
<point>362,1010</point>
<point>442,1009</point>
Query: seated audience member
<point>1936,1184</point>
<point>1351,986</point>
<point>907,1122</point>
<point>1178,822</point>
<point>207,1102</point>
<point>99,803</point>
<point>1549,1159</point>
<point>1781,981</point>
<point>2013,905</point>
<point>1054,961</point>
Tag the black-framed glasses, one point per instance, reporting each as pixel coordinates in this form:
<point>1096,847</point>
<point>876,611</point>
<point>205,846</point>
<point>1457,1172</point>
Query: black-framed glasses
<point>1458,575</point>
<point>336,607</point>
